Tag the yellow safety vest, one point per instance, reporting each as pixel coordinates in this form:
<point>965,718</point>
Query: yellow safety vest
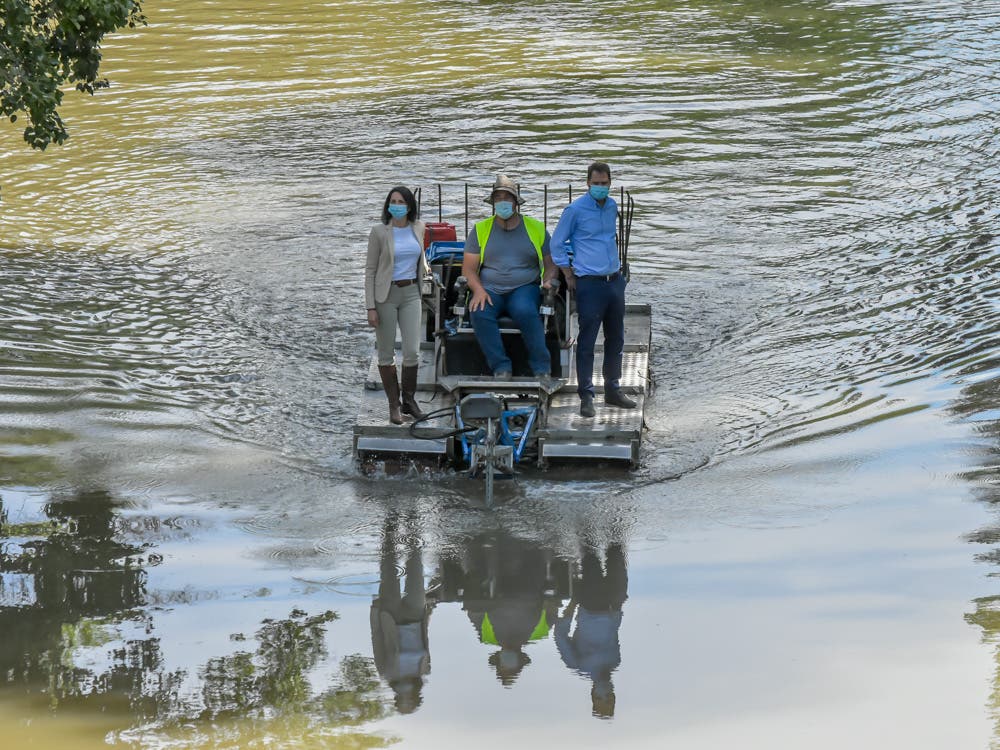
<point>536,233</point>
<point>488,636</point>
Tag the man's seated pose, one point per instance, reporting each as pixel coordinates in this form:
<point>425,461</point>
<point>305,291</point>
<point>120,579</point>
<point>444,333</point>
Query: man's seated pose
<point>505,259</point>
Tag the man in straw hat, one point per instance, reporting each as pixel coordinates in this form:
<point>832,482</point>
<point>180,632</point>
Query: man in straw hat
<point>505,259</point>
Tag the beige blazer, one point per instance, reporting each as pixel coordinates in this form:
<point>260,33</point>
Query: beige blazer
<point>381,259</point>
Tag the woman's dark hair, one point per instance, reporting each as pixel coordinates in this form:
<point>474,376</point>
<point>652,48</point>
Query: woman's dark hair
<point>598,166</point>
<point>411,204</point>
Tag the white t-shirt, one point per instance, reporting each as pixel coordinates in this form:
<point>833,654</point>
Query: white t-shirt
<point>407,253</point>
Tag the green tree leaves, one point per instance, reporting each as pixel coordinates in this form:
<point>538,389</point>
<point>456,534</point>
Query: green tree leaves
<point>45,44</point>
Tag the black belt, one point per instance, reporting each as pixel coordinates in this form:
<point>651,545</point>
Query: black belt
<point>602,276</point>
<point>405,282</point>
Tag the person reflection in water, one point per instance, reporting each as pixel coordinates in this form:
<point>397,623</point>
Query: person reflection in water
<point>507,589</point>
<point>593,648</point>
<point>399,621</point>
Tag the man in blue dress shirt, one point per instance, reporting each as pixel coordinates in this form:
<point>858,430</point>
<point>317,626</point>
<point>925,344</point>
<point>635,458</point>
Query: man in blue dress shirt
<point>589,224</point>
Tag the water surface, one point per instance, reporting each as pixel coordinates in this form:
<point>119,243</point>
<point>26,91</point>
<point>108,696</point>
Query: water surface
<point>189,557</point>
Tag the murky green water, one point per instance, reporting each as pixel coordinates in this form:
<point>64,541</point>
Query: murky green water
<point>188,557</point>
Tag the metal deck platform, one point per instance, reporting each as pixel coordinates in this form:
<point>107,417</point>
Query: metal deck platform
<point>613,433</point>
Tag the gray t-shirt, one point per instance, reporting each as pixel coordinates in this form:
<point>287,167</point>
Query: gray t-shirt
<point>511,260</point>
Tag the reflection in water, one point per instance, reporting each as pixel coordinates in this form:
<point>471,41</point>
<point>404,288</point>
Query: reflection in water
<point>268,692</point>
<point>66,583</point>
<point>79,633</point>
<point>978,405</point>
<point>821,254</point>
<point>987,617</point>
<point>81,625</point>
<point>399,621</point>
<point>510,589</point>
<point>592,648</point>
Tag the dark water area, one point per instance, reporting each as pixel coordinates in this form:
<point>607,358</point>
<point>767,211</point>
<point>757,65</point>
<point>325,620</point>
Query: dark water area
<point>189,556</point>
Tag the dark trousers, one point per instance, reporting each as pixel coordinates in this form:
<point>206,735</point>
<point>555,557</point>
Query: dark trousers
<point>521,305</point>
<point>602,591</point>
<point>599,303</point>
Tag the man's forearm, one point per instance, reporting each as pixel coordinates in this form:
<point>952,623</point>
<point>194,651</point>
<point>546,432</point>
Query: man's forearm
<point>470,271</point>
<point>474,283</point>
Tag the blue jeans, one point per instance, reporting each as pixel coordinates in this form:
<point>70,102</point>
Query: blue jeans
<point>522,306</point>
<point>599,302</point>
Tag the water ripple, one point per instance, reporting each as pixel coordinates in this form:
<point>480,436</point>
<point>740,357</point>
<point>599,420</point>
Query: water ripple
<point>815,184</point>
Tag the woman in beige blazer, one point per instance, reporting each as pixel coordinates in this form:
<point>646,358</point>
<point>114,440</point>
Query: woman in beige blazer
<point>395,265</point>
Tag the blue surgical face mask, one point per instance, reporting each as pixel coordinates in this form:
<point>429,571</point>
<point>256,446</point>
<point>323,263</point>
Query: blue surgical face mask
<point>599,192</point>
<point>398,210</point>
<point>504,209</point>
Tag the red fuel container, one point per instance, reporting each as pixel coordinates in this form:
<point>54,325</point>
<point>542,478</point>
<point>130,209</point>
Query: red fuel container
<point>439,231</point>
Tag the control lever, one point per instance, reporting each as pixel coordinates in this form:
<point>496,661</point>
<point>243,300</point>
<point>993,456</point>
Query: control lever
<point>548,306</point>
<point>461,292</point>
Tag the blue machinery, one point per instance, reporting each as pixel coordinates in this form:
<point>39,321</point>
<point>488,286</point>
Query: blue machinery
<point>493,446</point>
<point>509,435</point>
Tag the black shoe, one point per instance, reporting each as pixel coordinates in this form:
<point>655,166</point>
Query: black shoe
<point>615,397</point>
<point>587,406</point>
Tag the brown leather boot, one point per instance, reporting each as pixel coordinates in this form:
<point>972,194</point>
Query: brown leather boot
<point>410,405</point>
<point>390,383</point>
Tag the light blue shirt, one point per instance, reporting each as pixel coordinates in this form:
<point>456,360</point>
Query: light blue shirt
<point>407,252</point>
<point>591,230</point>
<point>593,648</point>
